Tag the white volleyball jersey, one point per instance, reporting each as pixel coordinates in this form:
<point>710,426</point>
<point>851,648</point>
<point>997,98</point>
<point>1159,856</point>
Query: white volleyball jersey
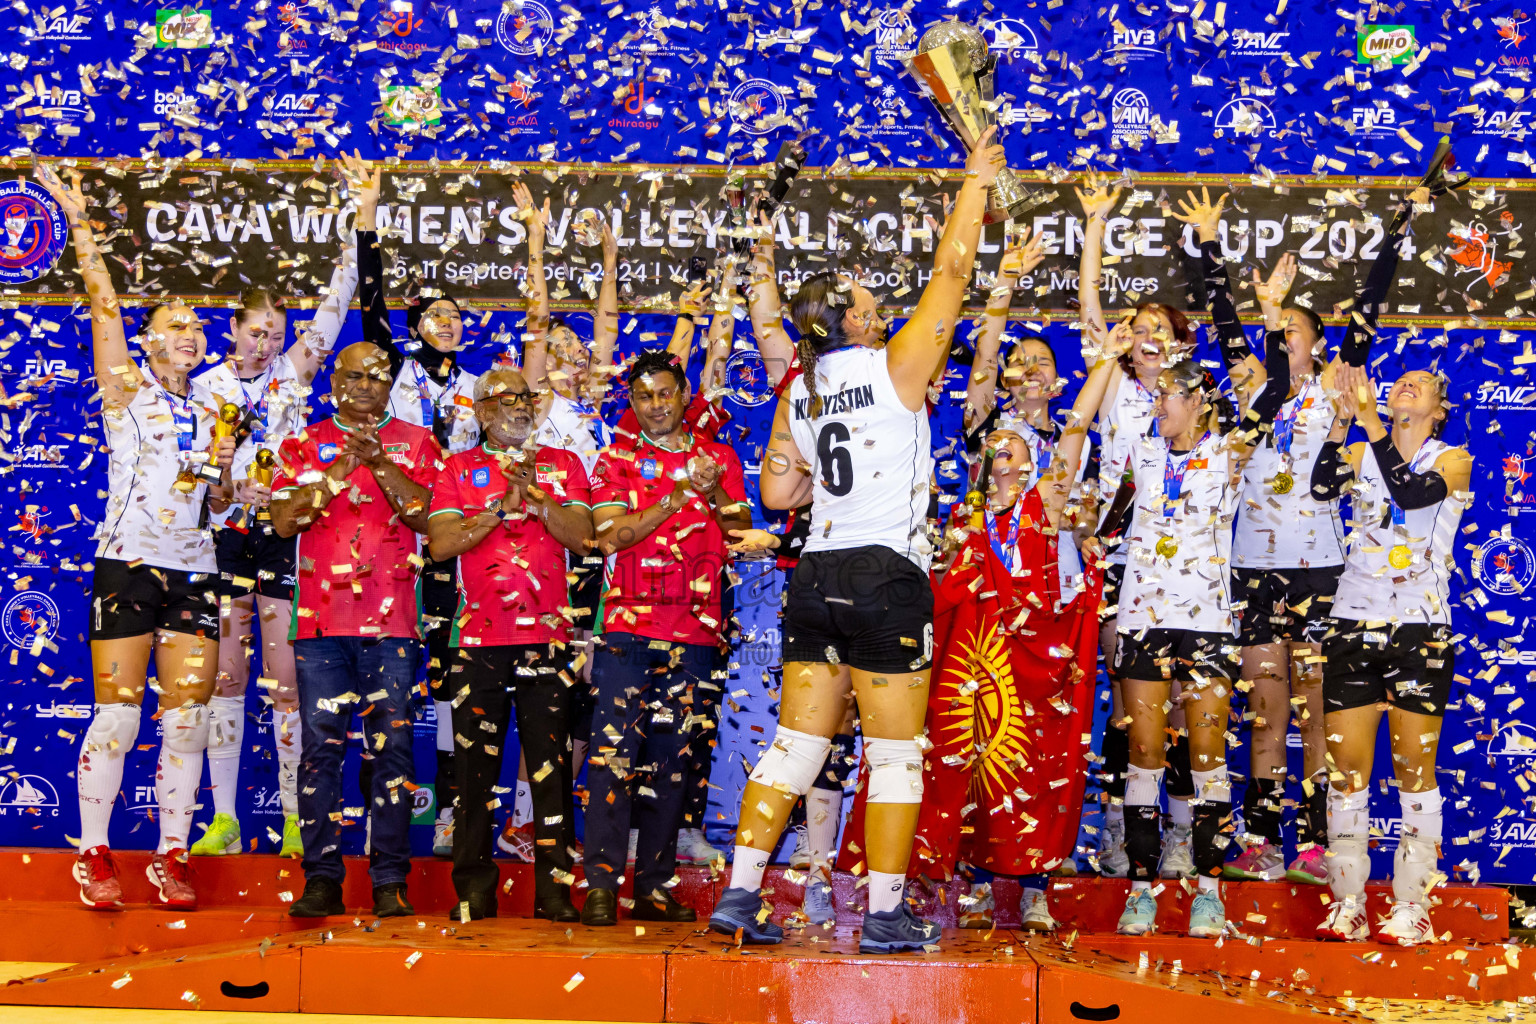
<point>1128,421</point>
<point>576,427</point>
<point>1279,524</point>
<point>415,396</point>
<point>277,400</point>
<point>1042,448</point>
<point>1188,583</point>
<point>151,440</point>
<point>872,457</point>
<point>1372,588</point>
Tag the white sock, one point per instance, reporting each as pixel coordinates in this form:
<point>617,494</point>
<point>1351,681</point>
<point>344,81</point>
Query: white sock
<point>522,806</point>
<point>1421,814</point>
<point>1140,885</point>
<point>99,772</point>
<point>885,891</point>
<point>1210,884</point>
<point>226,735</point>
<point>1179,811</point>
<point>444,713</point>
<point>1114,812</point>
<point>180,770</point>
<point>286,733</point>
<point>1142,787</point>
<point>1349,826</point>
<point>823,814</point>
<point>1213,786</point>
<point>747,867</point>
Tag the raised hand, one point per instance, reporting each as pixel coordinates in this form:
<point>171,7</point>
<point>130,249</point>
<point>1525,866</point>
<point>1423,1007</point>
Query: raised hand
<point>1273,290</point>
<point>987,159</point>
<point>610,243</point>
<point>365,180</point>
<point>1025,255</point>
<point>1096,197</point>
<point>1201,212</point>
<point>694,299</point>
<point>70,196</point>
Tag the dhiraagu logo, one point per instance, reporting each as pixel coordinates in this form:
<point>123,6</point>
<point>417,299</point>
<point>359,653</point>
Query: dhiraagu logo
<point>1394,43</point>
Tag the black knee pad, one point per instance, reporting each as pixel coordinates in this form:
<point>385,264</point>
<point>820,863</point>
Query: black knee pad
<point>1262,804</point>
<point>1143,840</point>
<point>1211,832</point>
<point>1116,751</point>
<point>1178,781</point>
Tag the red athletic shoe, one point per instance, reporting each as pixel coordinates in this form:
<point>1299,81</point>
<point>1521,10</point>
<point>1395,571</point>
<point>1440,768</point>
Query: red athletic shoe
<point>516,842</point>
<point>97,874</point>
<point>171,876</point>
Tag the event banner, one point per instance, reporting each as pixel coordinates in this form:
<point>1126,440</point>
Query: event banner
<point>211,229</point>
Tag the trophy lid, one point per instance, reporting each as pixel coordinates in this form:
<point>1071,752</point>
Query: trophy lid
<point>972,43</point>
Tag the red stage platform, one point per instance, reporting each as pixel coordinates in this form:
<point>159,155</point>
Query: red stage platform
<point>241,952</point>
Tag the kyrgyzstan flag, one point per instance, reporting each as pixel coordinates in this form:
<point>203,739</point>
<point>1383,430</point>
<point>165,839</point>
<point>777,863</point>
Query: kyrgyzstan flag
<point>1010,713</point>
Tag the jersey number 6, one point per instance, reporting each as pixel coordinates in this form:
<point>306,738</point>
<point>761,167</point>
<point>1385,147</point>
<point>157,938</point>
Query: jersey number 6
<point>835,461</point>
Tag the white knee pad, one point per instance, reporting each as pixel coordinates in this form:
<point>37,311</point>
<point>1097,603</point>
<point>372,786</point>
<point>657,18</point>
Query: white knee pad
<point>185,729</point>
<point>226,718</point>
<point>1349,858</point>
<point>792,761</point>
<point>895,771</point>
<point>114,730</point>
<point>1415,869</point>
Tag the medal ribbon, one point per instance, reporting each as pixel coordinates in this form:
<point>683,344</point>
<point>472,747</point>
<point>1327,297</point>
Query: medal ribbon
<point>1006,548</point>
<point>1173,481</point>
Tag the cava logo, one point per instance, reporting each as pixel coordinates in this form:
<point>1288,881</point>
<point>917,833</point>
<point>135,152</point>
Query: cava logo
<point>183,29</point>
<point>1373,122</point>
<point>1246,117</point>
<point>1134,44</point>
<point>894,35</point>
<point>411,107</point>
<point>1010,38</point>
<point>1245,43</point>
<point>29,620</point>
<point>1504,565</point>
<point>1519,493</point>
<point>32,232</point>
<point>1511,29</point>
<point>64,28</point>
<point>1474,250</point>
<point>1392,43</point>
<point>526,29</point>
<point>757,106</point>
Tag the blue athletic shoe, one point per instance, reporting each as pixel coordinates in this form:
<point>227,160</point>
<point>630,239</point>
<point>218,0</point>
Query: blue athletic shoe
<point>1140,916</point>
<point>897,931</point>
<point>1207,915</point>
<point>817,903</point>
<point>743,910</point>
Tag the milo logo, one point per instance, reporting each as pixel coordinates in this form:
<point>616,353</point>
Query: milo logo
<point>1393,43</point>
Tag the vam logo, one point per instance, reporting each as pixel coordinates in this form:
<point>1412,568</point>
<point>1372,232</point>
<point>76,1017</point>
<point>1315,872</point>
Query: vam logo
<point>1504,565</point>
<point>526,29</point>
<point>757,106</point>
<point>1373,122</point>
<point>65,28</point>
<point>1011,38</point>
<point>29,619</point>
<point>894,35</point>
<point>1246,116</point>
<point>1134,44</point>
<point>28,794</point>
<point>1247,43</point>
<point>1131,114</point>
<point>1392,43</point>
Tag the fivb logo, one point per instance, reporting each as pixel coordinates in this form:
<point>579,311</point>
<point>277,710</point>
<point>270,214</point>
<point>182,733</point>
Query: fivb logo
<point>1394,44</point>
<point>58,104</point>
<point>1135,43</point>
<point>1246,43</point>
<point>1373,122</point>
<point>1246,116</point>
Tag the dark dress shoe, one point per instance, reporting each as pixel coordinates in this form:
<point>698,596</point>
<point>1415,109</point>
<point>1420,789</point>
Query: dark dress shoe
<point>480,907</point>
<point>322,898</point>
<point>390,901</point>
<point>664,909</point>
<point>556,908</point>
<point>601,910</point>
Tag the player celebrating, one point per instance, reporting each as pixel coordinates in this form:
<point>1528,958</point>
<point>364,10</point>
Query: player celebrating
<point>859,608</point>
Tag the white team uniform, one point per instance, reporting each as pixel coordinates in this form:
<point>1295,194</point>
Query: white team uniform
<point>575,427</point>
<point>1069,562</point>
<point>151,440</point>
<point>1290,530</point>
<point>415,396</point>
<point>873,457</point>
<point>279,400</point>
<point>1371,589</point>
<point>1128,420</point>
<point>1192,588</point>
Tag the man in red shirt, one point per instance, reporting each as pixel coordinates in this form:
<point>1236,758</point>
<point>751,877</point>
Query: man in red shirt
<point>508,510</point>
<point>662,506</point>
<point>355,490</point>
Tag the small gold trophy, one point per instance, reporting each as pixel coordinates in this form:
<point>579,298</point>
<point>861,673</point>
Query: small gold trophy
<point>211,472</point>
<point>262,471</point>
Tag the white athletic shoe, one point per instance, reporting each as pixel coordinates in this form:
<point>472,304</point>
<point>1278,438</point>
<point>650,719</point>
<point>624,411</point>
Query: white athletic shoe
<point>1114,862</point>
<point>1037,915</point>
<point>693,848</point>
<point>1407,925</point>
<point>1346,921</point>
<point>1178,859</point>
<point>976,907</point>
<point>800,859</point>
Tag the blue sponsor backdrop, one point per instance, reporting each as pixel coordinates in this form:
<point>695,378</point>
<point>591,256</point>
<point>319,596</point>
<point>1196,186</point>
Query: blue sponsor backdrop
<point>1231,89</point>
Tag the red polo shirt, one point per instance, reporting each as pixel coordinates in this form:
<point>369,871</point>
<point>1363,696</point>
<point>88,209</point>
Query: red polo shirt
<point>666,587</point>
<point>704,418</point>
<point>358,563</point>
<point>511,584</point>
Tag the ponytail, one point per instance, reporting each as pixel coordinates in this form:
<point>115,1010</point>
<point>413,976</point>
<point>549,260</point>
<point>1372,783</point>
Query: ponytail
<point>817,311</point>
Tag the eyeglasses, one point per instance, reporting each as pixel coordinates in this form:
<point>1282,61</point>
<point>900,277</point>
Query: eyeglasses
<point>510,399</point>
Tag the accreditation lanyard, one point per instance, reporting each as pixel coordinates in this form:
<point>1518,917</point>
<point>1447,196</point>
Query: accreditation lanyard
<point>183,414</point>
<point>1400,517</point>
<point>1006,548</point>
<point>1173,479</point>
<point>1285,421</point>
<point>1151,400</point>
<point>258,404</point>
<point>423,393</point>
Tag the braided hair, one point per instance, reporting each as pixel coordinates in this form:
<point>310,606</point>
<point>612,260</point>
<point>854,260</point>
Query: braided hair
<point>817,311</point>
<point>1219,416</point>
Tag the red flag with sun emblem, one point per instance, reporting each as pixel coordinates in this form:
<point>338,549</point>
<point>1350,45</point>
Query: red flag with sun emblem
<point>1010,711</point>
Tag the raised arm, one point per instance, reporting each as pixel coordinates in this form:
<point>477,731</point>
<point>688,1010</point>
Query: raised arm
<point>766,307</point>
<point>317,337</point>
<point>1361,331</point>
<point>366,182</point>
<point>981,388</point>
<point>722,333</point>
<point>920,348</point>
<point>690,307</point>
<point>1205,217</point>
<point>1097,200</point>
<point>1055,485</point>
<point>116,374</point>
<point>605,322</point>
<point>536,321</point>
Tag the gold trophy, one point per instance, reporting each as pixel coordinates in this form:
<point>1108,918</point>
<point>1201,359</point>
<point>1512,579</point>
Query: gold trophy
<point>955,71</point>
<point>262,471</point>
<point>211,472</point>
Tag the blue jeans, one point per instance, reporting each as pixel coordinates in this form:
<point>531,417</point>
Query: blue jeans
<point>649,714</point>
<point>380,673</point>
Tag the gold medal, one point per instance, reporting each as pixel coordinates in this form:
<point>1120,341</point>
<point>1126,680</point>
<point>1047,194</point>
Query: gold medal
<point>1283,482</point>
<point>1400,557</point>
<point>186,482</point>
<point>1167,547</point>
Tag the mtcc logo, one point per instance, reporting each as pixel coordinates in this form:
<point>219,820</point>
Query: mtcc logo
<point>1246,116</point>
<point>1515,740</point>
<point>29,793</point>
<point>1505,565</point>
<point>1010,38</point>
